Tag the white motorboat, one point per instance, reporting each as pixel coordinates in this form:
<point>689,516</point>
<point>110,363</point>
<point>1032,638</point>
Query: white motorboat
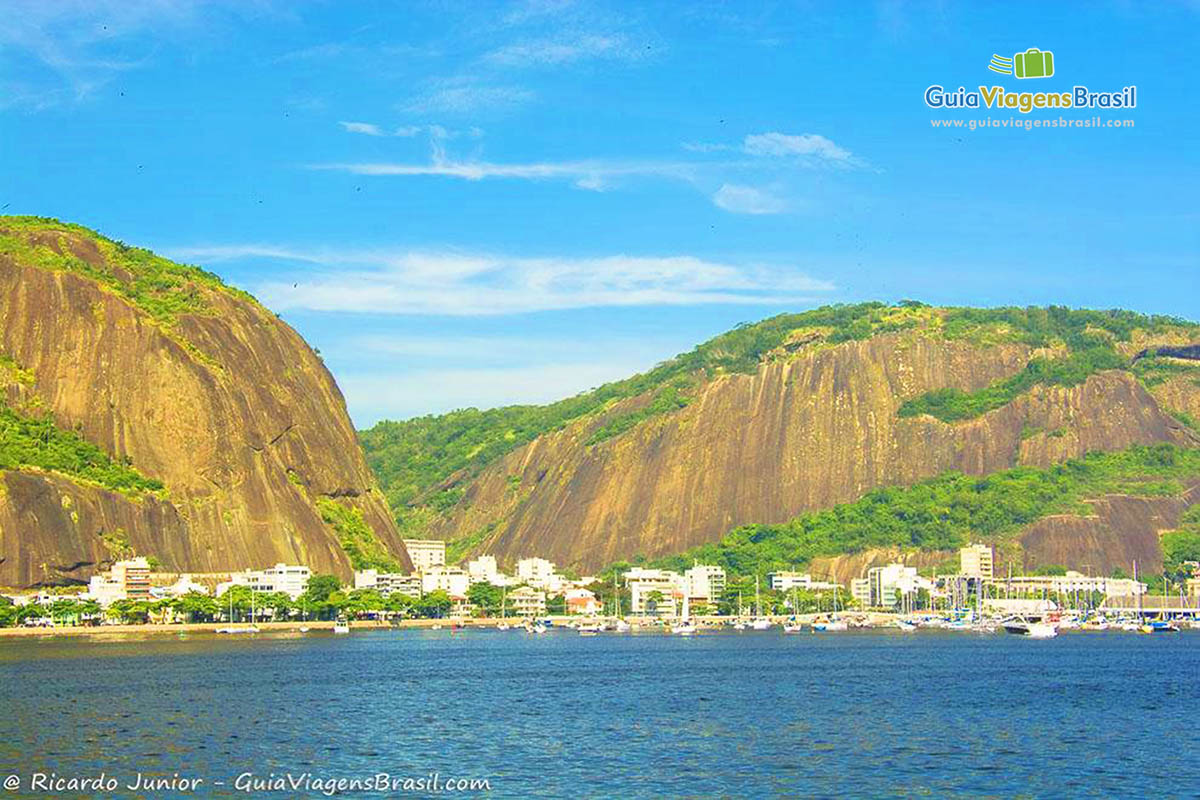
<point>831,625</point>
<point>238,629</point>
<point>1034,630</point>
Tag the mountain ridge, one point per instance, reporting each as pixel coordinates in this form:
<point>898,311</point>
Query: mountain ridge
<point>161,369</point>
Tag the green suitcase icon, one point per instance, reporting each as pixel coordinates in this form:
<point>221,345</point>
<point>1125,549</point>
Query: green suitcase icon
<point>1033,63</point>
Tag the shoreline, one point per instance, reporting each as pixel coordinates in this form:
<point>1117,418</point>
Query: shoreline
<point>326,626</point>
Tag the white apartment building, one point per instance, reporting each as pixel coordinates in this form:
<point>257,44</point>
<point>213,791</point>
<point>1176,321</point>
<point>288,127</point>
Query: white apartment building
<point>889,583</point>
<point>643,583</point>
<point>453,580</point>
<point>860,590</point>
<point>539,573</point>
<point>290,579</point>
<point>527,601</point>
<point>126,580</point>
<point>485,570</point>
<point>975,561</point>
<point>387,582</point>
<point>426,553</point>
<point>786,581</point>
<point>704,583</point>
<point>1071,582</point>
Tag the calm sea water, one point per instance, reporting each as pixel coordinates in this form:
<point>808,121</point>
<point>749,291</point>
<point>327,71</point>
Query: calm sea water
<point>867,714</point>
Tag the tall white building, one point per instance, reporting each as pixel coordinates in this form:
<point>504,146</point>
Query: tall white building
<point>426,553</point>
<point>705,583</point>
<point>889,583</point>
<point>643,583</point>
<point>452,580</point>
<point>538,573</point>
<point>975,561</point>
<point>485,570</point>
<point>125,580</point>
<point>287,578</point>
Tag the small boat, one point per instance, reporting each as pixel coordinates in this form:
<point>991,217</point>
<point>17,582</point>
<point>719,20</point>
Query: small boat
<point>793,627</point>
<point>590,628</point>
<point>761,624</point>
<point>684,628</point>
<point>303,629</point>
<point>905,626</point>
<point>622,626</point>
<point>830,626</point>
<point>341,625</point>
<point>238,629</point>
<point>503,626</point>
<point>1034,630</point>
<point>1159,626</point>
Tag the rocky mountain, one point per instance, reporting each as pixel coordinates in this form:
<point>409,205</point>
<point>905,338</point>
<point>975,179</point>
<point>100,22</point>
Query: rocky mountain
<point>808,412</point>
<point>149,409</point>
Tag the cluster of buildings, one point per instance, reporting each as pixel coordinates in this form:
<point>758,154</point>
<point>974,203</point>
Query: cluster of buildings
<point>526,591</point>
<point>130,580</point>
<point>653,592</point>
<point>663,593</point>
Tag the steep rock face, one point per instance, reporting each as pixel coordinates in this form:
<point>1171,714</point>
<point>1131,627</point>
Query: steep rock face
<point>800,434</point>
<point>1122,530</point>
<point>230,409</point>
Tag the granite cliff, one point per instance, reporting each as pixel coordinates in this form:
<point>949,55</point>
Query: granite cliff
<point>127,364</point>
<point>818,418</point>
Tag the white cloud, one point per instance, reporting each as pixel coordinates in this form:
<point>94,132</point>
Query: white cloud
<point>461,99</point>
<point>805,144</point>
<point>408,130</point>
<point>747,200</point>
<point>594,175</point>
<point>459,284</point>
<point>366,128</point>
<point>554,52</point>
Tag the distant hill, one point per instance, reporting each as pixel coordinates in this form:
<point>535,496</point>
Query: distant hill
<point>146,408</point>
<point>793,415</point>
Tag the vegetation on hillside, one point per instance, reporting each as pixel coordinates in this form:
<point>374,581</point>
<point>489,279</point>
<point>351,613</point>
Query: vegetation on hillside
<point>36,442</point>
<point>1089,337</point>
<point>1182,545</point>
<point>355,536</point>
<point>160,287</point>
<point>948,511</point>
<point>422,462</point>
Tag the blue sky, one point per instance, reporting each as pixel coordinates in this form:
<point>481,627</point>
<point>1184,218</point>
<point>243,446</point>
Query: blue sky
<point>485,203</point>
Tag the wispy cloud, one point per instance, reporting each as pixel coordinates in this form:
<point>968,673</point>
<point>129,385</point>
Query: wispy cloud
<point>453,283</point>
<point>468,97</point>
<point>805,144</point>
<point>731,183</point>
<point>747,200</point>
<point>67,50</point>
<point>596,175</point>
<point>559,51</point>
<point>366,128</point>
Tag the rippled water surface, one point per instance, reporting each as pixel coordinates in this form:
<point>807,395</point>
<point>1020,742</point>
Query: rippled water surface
<point>559,715</point>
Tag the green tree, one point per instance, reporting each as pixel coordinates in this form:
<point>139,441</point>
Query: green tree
<point>434,605</point>
<point>486,597</point>
<point>556,604</point>
<point>197,607</point>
